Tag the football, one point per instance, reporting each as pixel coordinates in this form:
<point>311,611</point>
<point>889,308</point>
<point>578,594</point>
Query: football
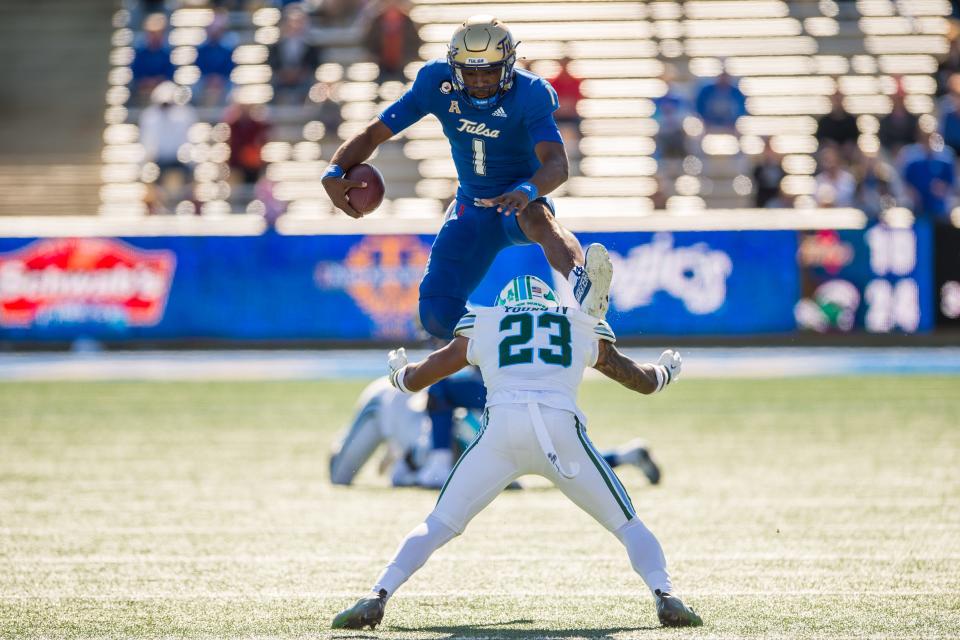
<point>366,199</point>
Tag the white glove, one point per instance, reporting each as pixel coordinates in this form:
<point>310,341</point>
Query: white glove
<point>397,361</point>
<point>671,363</point>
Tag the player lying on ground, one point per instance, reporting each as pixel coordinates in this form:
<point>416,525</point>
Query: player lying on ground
<point>532,354</point>
<point>385,415</point>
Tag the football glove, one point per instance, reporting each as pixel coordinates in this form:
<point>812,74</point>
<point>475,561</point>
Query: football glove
<point>397,361</point>
<point>668,368</point>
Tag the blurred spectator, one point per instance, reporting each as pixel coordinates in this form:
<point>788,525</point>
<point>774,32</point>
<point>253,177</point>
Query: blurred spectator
<point>164,126</point>
<point>659,197</point>
<point>782,200</point>
<point>670,111</point>
<point>215,61</point>
<point>929,172</point>
<point>151,59</point>
<point>293,58</point>
<point>337,12</point>
<point>899,127</point>
<point>720,103</point>
<point>767,175</point>
<point>393,40</point>
<point>249,131</point>
<point>878,185</point>
<point>836,186</point>
<point>568,119</point>
<point>950,114</point>
<point>839,127</point>
<point>949,66</point>
<point>272,208</point>
<point>328,110</point>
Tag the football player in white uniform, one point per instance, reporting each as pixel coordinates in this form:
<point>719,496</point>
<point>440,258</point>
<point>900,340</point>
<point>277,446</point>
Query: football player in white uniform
<point>532,354</point>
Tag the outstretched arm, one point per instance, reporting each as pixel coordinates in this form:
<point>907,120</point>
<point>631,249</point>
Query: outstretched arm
<point>351,153</point>
<point>642,378</point>
<point>437,366</point>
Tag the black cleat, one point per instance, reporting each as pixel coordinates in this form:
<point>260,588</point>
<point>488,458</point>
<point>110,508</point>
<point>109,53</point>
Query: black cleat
<point>367,611</point>
<point>637,453</point>
<point>673,613</point>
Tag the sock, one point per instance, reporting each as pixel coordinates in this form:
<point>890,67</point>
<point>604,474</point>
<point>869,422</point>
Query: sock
<point>441,415</point>
<point>612,459</point>
<point>416,548</point>
<point>646,555</point>
<point>579,282</point>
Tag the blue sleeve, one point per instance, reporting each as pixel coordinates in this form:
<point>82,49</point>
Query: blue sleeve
<point>544,130</point>
<point>409,108</point>
<point>539,115</point>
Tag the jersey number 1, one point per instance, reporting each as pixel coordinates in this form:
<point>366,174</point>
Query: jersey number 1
<point>479,157</point>
<point>560,351</point>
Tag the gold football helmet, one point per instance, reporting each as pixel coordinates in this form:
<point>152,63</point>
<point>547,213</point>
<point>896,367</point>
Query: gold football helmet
<point>482,42</point>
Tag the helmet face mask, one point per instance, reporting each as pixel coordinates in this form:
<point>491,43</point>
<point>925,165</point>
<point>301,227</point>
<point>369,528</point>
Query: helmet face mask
<point>482,43</point>
<point>528,291</point>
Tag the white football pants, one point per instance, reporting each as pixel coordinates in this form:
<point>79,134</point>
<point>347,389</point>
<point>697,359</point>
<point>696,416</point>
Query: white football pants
<point>507,448</point>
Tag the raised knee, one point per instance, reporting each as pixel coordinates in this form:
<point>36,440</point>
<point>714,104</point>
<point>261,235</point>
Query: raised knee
<point>439,315</point>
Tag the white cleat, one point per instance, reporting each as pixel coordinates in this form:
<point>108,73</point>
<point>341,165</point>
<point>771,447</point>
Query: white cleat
<point>592,288</point>
<point>434,472</point>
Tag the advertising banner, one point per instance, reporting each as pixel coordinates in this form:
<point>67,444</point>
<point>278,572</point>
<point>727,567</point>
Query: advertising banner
<point>701,282</point>
<point>355,287</point>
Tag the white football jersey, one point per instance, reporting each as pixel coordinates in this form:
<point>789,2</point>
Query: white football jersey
<point>533,355</point>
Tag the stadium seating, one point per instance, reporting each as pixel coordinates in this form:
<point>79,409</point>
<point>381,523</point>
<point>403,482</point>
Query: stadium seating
<point>789,56</point>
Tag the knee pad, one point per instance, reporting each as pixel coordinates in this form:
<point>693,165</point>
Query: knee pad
<point>439,315</point>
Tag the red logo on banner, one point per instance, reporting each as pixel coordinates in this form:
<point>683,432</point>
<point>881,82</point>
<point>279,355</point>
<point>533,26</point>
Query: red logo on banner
<point>62,281</point>
<point>381,274</point>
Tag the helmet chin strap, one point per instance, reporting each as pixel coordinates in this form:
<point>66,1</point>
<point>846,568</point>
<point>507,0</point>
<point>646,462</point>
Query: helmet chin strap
<point>484,103</point>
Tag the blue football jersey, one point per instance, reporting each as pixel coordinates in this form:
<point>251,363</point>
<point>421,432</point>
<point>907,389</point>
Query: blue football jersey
<point>493,150</point>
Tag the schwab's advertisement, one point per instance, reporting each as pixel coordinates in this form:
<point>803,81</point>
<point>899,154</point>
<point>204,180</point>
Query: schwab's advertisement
<point>353,288</point>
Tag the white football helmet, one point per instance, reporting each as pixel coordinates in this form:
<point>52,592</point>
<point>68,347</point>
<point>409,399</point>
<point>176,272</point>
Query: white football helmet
<point>528,291</point>
<point>482,42</point>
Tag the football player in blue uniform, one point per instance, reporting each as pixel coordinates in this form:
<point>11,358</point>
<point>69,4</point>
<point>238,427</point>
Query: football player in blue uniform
<point>509,155</point>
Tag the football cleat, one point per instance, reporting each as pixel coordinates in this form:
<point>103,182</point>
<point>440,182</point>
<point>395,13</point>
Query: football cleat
<point>436,469</point>
<point>592,286</point>
<point>367,611</point>
<point>636,453</point>
<point>673,613</point>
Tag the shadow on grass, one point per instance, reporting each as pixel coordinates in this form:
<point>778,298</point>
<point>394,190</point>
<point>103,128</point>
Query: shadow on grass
<point>488,631</point>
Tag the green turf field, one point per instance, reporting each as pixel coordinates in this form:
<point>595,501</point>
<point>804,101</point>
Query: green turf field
<point>789,509</point>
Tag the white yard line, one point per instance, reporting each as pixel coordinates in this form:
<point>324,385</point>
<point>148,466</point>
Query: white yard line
<point>706,362</point>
